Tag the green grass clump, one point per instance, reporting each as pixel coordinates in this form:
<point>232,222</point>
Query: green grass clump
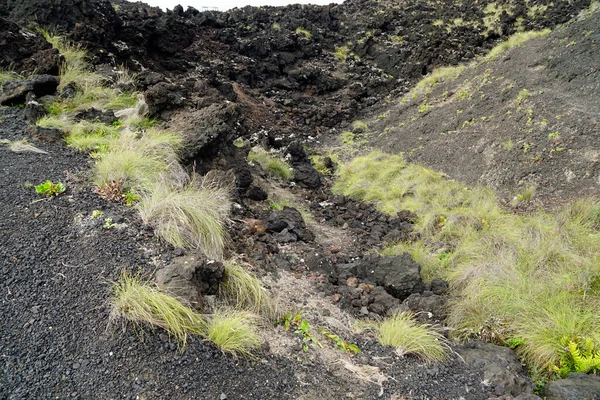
<point>61,122</point>
<point>341,52</point>
<point>232,332</point>
<point>443,74</point>
<point>136,162</point>
<point>410,337</point>
<point>242,290</point>
<point>515,40</point>
<point>121,101</point>
<point>87,136</point>
<point>305,32</point>
<point>535,277</point>
<point>190,217</point>
<point>7,75</point>
<point>274,166</point>
<point>142,303</point>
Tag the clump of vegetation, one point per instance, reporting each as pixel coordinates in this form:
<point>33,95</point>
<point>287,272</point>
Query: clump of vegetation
<point>232,332</point>
<point>135,161</point>
<point>443,74</point>
<point>580,355</point>
<point>359,126</point>
<point>535,277</point>
<point>142,303</point>
<point>7,75</point>
<point>242,290</point>
<point>273,165</point>
<point>524,94</point>
<point>50,189</point>
<point>87,136</point>
<point>341,52</point>
<point>409,337</point>
<point>189,217</point>
<point>341,344</point>
<point>301,31</point>
<point>515,40</point>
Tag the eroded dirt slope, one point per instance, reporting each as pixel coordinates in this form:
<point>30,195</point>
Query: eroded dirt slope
<point>528,117</point>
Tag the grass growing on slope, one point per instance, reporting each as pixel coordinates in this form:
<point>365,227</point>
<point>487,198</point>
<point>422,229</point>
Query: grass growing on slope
<point>142,303</point>
<point>515,40</point>
<point>410,337</point>
<point>87,136</point>
<point>531,277</point>
<point>188,217</point>
<point>241,289</point>
<point>233,332</point>
<point>136,162</point>
<point>273,165</point>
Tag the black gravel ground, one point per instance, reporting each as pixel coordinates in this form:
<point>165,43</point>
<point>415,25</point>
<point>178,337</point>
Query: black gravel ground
<point>56,265</point>
<point>55,269</point>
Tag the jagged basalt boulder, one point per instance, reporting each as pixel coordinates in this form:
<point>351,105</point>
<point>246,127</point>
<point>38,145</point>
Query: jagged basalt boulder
<point>191,278</point>
<point>502,372</point>
<point>15,91</point>
<point>206,129</point>
<point>287,225</point>
<point>399,275</point>
<point>573,387</point>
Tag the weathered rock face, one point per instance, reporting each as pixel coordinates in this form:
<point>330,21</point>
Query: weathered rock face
<point>399,275</point>
<point>206,129</point>
<point>574,387</point>
<point>25,51</point>
<point>15,92</point>
<point>502,373</point>
<point>191,278</point>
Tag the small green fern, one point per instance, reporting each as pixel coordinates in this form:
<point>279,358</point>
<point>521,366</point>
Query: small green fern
<point>580,355</point>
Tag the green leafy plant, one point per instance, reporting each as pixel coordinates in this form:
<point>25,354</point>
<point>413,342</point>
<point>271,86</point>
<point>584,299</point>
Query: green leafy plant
<point>130,197</point>
<point>340,343</point>
<point>96,213</point>
<point>579,355</point>
<point>49,188</point>
<point>108,223</point>
<point>424,107</point>
<point>307,337</point>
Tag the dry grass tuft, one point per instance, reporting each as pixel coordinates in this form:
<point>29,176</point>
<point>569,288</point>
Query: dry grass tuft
<point>241,289</point>
<point>233,332</point>
<point>142,303</point>
<point>189,217</point>
<point>410,337</point>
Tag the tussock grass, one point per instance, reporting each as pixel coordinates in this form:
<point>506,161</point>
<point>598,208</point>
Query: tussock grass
<point>242,290</point>
<point>86,136</point>
<point>189,217</point>
<point>7,75</point>
<point>513,41</point>
<point>61,122</point>
<point>410,337</point>
<point>233,332</point>
<point>22,146</point>
<point>273,165</point>
<point>442,74</point>
<point>142,303</point>
<point>137,162</point>
<point>535,277</point>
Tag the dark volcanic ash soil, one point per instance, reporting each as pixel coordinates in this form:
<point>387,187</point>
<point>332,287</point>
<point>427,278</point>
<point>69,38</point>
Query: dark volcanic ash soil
<point>55,268</point>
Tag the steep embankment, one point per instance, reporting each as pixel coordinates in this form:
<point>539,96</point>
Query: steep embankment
<point>526,117</point>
